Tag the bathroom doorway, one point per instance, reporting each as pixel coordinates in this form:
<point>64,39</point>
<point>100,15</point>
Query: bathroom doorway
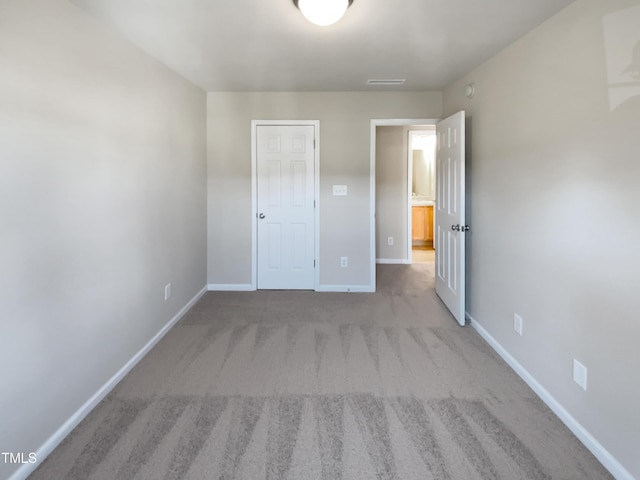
<point>421,185</point>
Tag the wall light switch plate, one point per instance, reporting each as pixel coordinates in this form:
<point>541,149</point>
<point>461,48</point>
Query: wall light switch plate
<point>580,374</point>
<point>339,190</point>
<point>517,323</point>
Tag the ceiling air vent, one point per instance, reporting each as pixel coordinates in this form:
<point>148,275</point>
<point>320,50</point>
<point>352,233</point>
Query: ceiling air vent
<point>386,81</point>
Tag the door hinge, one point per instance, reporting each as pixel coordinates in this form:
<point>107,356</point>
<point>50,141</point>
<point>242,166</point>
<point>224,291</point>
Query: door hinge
<point>314,264</point>
<point>314,143</point>
<point>314,204</point>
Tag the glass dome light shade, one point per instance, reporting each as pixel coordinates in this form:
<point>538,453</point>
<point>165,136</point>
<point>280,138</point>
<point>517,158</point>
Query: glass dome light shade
<point>323,12</point>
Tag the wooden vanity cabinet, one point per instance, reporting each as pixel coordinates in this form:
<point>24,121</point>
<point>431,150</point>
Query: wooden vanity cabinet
<point>422,225</point>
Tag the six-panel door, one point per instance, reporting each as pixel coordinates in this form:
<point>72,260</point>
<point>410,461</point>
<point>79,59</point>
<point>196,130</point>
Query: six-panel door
<point>285,196</point>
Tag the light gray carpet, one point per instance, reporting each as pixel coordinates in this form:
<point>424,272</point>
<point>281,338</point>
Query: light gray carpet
<point>303,385</point>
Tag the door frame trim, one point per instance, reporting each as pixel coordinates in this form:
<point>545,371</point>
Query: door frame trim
<point>384,122</point>
<point>254,193</point>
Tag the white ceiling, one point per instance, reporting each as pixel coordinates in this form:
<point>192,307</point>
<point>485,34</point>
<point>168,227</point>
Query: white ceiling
<point>267,45</point>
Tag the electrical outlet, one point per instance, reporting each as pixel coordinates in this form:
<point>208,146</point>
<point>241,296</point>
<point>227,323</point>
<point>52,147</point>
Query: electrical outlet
<point>517,323</point>
<point>580,374</point>
<point>344,262</point>
<point>389,240</point>
<point>167,291</point>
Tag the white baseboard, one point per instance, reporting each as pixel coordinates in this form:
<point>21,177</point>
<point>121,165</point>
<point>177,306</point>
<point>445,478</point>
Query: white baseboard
<point>216,287</point>
<point>589,441</point>
<point>240,287</point>
<point>346,288</point>
<point>52,442</point>
<point>393,261</point>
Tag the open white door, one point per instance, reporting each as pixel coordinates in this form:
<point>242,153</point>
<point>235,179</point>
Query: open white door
<point>285,207</point>
<point>450,219</point>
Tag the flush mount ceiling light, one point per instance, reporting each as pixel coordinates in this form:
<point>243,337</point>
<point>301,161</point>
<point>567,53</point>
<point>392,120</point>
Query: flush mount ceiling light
<point>323,12</point>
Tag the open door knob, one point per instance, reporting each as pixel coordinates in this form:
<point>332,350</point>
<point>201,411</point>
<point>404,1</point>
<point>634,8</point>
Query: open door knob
<point>261,216</point>
<point>455,228</point>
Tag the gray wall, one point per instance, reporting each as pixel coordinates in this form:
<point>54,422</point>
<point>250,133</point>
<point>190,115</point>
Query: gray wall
<point>102,202</point>
<point>555,211</point>
<point>391,192</point>
<point>345,130</point>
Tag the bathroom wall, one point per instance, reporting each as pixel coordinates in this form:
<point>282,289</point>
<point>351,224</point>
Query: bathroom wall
<point>423,173</point>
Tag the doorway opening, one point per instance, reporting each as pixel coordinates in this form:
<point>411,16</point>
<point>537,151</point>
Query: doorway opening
<point>392,187</point>
<point>450,227</point>
<point>421,161</point>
